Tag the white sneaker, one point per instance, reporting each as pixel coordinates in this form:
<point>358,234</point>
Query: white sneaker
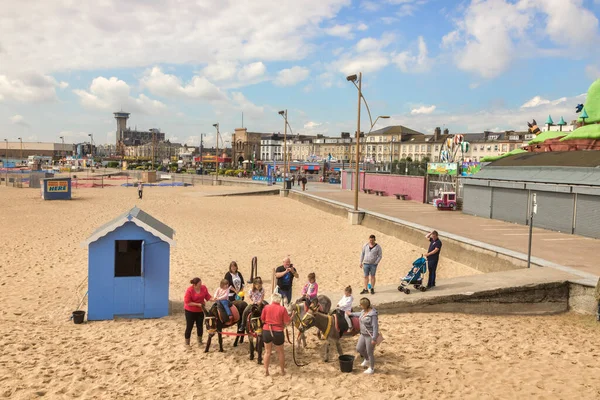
<point>369,371</point>
<point>364,363</point>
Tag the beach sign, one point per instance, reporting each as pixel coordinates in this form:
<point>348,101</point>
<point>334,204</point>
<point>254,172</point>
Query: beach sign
<point>58,186</point>
<point>442,168</point>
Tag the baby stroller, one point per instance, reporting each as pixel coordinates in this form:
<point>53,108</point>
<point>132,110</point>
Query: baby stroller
<point>414,276</point>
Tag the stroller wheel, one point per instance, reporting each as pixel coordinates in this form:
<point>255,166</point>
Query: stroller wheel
<point>407,291</point>
<point>400,288</point>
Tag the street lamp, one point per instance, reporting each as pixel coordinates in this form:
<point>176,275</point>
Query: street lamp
<point>21,140</point>
<point>91,145</point>
<point>63,152</point>
<point>6,163</point>
<point>376,119</point>
<point>217,152</point>
<point>284,115</point>
<point>354,79</point>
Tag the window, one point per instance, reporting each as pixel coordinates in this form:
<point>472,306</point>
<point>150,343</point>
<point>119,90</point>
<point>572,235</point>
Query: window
<point>504,148</point>
<point>128,257</point>
<point>411,147</point>
<point>429,148</point>
<point>423,148</point>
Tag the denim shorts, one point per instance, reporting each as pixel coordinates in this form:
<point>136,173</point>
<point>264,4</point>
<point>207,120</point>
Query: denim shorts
<point>370,269</point>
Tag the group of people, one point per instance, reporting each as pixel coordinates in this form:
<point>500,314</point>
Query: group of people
<point>275,316</point>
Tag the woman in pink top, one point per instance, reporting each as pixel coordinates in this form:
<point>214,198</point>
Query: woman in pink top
<point>194,299</point>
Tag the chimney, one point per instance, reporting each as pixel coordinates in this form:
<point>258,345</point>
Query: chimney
<point>446,131</point>
<point>436,134</point>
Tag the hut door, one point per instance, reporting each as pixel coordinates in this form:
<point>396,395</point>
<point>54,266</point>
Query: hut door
<point>129,279</point>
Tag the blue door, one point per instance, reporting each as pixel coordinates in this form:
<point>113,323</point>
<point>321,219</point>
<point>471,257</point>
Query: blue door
<point>129,296</point>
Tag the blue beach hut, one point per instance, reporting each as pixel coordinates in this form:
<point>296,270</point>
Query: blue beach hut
<point>128,267</point>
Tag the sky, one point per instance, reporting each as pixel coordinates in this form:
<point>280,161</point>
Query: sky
<point>181,65</point>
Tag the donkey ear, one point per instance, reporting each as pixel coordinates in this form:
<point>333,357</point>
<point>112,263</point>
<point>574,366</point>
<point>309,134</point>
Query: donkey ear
<point>535,123</point>
<point>529,125</point>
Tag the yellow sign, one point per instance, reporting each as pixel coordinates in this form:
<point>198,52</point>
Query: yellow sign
<point>58,186</point>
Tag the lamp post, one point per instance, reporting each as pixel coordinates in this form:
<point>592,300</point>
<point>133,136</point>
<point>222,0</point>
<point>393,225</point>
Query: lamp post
<point>354,79</point>
<point>21,140</point>
<point>391,152</point>
<point>376,119</point>
<point>6,163</point>
<point>217,152</point>
<point>533,211</point>
<point>285,124</point>
<point>91,146</point>
<point>63,153</point>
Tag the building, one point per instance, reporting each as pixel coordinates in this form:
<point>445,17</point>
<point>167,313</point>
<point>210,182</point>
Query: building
<point>271,147</point>
<point>128,137</point>
<point>302,148</point>
<point>128,267</point>
<point>245,145</point>
<point>163,150</point>
<point>333,148</point>
<point>17,151</point>
<point>566,186</point>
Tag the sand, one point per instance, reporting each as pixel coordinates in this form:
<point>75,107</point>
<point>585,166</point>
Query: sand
<point>424,356</point>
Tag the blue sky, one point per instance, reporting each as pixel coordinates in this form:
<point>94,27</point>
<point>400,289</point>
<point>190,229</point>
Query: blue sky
<point>182,66</point>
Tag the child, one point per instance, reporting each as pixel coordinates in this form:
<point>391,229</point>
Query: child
<point>413,276</point>
<point>222,294</point>
<point>345,305</point>
<point>311,289</point>
<point>257,294</point>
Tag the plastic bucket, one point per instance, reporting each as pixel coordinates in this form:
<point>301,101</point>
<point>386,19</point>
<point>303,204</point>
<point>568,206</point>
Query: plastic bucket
<point>78,317</point>
<point>346,363</point>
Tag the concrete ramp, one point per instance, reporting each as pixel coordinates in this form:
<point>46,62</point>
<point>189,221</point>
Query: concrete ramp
<point>534,291</point>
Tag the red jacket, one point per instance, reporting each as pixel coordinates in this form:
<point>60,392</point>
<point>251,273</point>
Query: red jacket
<point>191,295</point>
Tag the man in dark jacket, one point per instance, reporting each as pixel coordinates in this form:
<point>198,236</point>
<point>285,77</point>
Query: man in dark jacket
<point>433,256</point>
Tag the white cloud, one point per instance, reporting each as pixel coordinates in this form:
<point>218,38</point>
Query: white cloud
<point>414,63</point>
<point>493,33</point>
<point>312,125</point>
<point>343,31</point>
<point>29,88</point>
<point>252,71</point>
<point>170,86</point>
<point>365,62</point>
<point>423,110</point>
<point>113,94</point>
<point>251,110</point>
<point>490,118</point>
<point>372,44</point>
<point>193,33</point>
<point>291,76</point>
<point>220,71</point>
<point>538,101</point>
<point>18,120</point>
<point>362,27</point>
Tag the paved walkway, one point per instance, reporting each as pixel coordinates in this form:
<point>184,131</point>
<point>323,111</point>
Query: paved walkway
<point>567,250</point>
<point>494,292</point>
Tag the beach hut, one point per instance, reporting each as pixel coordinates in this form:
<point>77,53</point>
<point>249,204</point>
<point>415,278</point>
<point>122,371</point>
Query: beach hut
<point>128,267</point>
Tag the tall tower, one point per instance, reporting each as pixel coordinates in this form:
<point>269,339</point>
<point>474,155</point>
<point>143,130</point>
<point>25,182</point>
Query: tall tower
<point>121,118</point>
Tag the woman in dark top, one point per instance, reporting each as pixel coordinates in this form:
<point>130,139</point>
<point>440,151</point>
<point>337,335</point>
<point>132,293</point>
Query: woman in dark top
<point>236,281</point>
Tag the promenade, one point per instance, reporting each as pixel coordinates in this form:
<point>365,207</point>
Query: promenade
<point>567,250</point>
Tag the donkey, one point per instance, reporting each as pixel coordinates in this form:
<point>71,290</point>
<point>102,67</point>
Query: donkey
<point>533,128</point>
<point>252,325</point>
<point>332,326</point>
<point>321,304</point>
<point>214,317</point>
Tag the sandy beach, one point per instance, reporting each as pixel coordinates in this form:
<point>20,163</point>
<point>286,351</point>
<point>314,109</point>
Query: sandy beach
<point>43,270</point>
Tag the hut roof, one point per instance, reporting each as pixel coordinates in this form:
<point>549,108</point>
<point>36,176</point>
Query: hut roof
<point>141,219</point>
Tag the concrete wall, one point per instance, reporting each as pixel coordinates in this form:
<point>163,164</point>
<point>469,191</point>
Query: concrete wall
<point>413,186</point>
<point>582,299</point>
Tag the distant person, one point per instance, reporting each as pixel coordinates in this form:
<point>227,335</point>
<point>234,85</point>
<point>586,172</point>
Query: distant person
<point>236,281</point>
<point>304,180</point>
<point>370,257</point>
<point>275,318</point>
<point>285,275</point>
<point>140,189</point>
<point>193,301</point>
<point>433,256</point>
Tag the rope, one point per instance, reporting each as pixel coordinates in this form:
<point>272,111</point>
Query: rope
<point>294,349</point>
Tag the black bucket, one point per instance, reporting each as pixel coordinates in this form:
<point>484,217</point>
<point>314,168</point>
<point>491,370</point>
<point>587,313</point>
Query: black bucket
<point>78,317</point>
<point>346,363</point>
